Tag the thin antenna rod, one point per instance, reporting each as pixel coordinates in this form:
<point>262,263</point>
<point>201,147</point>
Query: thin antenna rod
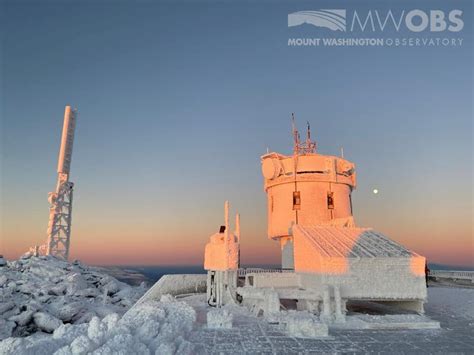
<point>296,135</point>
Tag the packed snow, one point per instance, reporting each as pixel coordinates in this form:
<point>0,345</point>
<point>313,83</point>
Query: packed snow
<point>219,318</point>
<point>300,324</point>
<point>451,301</point>
<point>292,332</point>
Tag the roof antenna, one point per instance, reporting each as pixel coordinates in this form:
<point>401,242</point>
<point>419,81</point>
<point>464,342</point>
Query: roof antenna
<point>296,135</point>
<point>310,146</point>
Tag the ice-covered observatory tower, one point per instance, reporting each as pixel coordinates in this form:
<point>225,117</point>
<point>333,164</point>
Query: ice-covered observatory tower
<point>306,188</point>
<point>310,214</point>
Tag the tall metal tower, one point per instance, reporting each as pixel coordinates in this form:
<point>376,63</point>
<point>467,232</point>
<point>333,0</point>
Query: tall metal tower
<point>60,211</point>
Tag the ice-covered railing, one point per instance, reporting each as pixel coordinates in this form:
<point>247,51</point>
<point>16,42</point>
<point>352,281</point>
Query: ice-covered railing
<point>256,270</point>
<point>453,275</point>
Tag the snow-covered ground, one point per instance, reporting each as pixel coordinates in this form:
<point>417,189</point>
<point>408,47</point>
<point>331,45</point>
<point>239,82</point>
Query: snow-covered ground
<point>452,307</point>
<point>52,307</point>
<point>41,293</point>
<point>152,328</point>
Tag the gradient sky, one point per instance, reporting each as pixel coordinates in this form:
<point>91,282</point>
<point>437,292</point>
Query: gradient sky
<point>178,100</point>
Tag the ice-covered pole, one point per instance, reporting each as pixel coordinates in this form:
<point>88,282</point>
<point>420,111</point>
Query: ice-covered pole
<point>60,211</point>
<point>67,140</point>
<point>226,233</point>
<point>237,226</point>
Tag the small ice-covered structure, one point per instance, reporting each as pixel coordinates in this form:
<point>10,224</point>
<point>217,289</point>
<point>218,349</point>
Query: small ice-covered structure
<point>221,260</point>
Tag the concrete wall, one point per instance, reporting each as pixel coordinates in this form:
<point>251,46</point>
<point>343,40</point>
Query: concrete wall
<point>175,285</point>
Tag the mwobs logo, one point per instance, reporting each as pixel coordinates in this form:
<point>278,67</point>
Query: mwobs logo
<point>414,20</point>
<point>333,19</point>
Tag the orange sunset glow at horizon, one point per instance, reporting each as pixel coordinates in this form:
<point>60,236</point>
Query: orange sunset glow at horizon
<point>174,247</point>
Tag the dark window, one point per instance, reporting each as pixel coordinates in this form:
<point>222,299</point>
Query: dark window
<point>296,200</point>
<point>331,200</point>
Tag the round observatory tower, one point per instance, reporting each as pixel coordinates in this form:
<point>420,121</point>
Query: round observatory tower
<point>306,188</point>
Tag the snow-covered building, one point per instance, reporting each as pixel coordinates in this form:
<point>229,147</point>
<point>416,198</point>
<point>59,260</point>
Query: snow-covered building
<point>310,214</point>
<point>305,188</point>
<point>326,259</point>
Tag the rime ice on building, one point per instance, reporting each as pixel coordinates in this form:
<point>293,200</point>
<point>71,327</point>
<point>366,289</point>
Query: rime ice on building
<point>306,188</point>
<point>310,214</point>
<point>326,260</point>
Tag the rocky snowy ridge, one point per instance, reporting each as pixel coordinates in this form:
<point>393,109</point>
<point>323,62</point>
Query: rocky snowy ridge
<point>51,306</point>
<point>41,293</point>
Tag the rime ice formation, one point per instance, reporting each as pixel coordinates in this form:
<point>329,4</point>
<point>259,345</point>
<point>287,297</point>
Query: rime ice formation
<point>181,327</point>
<point>222,260</point>
<point>42,293</point>
<point>150,328</point>
<point>362,263</point>
<point>176,284</point>
<point>60,212</point>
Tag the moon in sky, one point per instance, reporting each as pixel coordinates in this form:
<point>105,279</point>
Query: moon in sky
<point>375,191</point>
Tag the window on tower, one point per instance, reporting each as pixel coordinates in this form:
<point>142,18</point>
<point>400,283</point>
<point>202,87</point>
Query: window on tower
<point>296,200</point>
<point>331,200</point>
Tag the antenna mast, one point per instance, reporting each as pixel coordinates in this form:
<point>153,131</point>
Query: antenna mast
<point>60,211</point>
<point>308,147</point>
<point>296,135</point>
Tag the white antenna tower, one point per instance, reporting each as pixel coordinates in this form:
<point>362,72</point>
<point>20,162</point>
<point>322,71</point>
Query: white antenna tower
<point>60,211</point>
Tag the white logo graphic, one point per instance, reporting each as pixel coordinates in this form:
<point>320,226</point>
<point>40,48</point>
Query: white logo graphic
<point>333,19</point>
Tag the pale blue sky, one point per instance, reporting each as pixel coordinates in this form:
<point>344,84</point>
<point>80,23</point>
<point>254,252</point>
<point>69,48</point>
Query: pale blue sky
<point>177,101</point>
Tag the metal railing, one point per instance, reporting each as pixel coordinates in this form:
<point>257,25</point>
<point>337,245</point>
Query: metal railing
<point>254,270</point>
<point>453,275</point>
